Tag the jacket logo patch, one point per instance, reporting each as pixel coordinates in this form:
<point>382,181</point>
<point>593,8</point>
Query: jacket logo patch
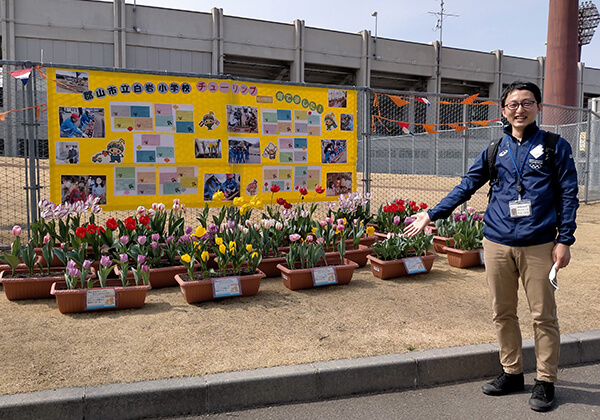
<point>502,153</point>
<point>536,163</point>
<point>537,151</point>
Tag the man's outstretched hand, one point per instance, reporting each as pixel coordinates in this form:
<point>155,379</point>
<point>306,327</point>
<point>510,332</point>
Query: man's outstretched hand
<point>421,221</point>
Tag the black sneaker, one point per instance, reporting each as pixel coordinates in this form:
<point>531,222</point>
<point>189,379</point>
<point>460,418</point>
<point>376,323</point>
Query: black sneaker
<point>504,384</point>
<point>542,396</point>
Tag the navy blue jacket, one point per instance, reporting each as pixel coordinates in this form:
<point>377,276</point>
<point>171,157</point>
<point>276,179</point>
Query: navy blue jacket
<point>545,224</point>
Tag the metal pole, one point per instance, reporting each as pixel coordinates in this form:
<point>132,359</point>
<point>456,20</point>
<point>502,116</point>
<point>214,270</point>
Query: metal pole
<point>465,135</point>
<point>31,142</point>
<point>366,135</point>
<point>588,150</point>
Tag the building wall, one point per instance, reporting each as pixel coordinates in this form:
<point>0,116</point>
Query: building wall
<point>105,34</point>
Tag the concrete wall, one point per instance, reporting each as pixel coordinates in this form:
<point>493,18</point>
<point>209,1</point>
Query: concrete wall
<point>105,34</point>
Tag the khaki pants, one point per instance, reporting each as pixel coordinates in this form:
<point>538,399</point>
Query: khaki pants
<point>504,265</point>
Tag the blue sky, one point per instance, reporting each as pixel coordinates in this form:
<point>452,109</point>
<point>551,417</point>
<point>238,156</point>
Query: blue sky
<point>518,27</point>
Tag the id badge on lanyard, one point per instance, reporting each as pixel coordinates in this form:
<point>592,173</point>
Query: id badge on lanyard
<point>520,208</point>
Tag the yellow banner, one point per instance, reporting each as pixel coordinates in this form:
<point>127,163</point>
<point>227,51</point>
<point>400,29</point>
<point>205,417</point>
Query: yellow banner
<point>134,139</point>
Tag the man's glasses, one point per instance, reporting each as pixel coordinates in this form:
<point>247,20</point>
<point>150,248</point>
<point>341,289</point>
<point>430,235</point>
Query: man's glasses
<point>513,106</point>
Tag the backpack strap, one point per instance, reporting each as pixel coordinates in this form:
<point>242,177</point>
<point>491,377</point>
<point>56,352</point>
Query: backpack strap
<point>492,152</point>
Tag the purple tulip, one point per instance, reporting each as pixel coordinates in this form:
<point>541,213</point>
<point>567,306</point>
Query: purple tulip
<point>142,239</point>
<point>230,224</point>
<point>396,220</point>
<point>169,239</point>
<point>105,261</point>
<point>124,239</point>
<point>73,272</point>
<point>87,264</point>
<point>188,230</point>
<point>71,264</point>
<point>141,259</point>
<point>155,237</point>
<point>154,245</point>
<point>145,268</point>
<point>123,258</point>
<point>213,229</point>
<point>457,217</point>
<point>16,230</point>
<point>463,217</point>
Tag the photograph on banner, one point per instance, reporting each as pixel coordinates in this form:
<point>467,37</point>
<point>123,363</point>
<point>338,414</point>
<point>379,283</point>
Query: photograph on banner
<point>81,122</point>
<point>113,153</point>
<point>252,188</point>
<point>72,81</point>
<point>242,119</point>
<point>338,183</point>
<point>244,150</point>
<point>347,122</point>
<point>330,121</point>
<point>76,188</point>
<point>66,152</point>
<point>207,148</point>
<point>338,98</point>
<point>333,151</point>
<point>229,184</point>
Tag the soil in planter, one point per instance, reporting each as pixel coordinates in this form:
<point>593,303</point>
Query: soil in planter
<point>36,274</point>
<point>198,275</point>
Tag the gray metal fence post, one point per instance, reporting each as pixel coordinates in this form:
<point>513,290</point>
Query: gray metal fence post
<point>30,122</point>
<point>366,136</point>
<point>588,151</point>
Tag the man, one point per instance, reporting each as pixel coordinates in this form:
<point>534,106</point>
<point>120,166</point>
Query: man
<point>529,226</point>
<point>69,127</point>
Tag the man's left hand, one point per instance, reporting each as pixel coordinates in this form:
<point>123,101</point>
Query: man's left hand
<point>561,254</point>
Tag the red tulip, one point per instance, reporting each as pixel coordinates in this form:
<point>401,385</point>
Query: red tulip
<point>423,205</point>
<point>281,201</point>
<point>80,232</point>
<point>319,189</point>
<point>112,224</point>
<point>129,223</point>
<point>91,228</point>
<point>287,205</point>
<point>399,202</point>
<point>144,220</point>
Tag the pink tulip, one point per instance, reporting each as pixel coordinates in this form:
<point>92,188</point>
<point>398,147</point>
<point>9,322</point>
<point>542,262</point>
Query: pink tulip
<point>16,230</point>
<point>294,237</point>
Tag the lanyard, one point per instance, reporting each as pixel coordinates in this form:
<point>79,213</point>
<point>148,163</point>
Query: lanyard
<point>520,187</point>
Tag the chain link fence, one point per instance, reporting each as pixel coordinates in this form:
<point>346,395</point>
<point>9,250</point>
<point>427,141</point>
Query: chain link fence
<point>419,145</point>
<point>409,145</point>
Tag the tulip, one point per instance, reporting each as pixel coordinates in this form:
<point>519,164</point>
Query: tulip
<point>222,249</point>
<point>124,239</point>
<point>155,237</point>
<point>396,220</point>
<point>309,238</point>
<point>145,268</point>
<point>370,230</point>
<point>275,188</point>
<point>141,210</point>
<point>319,189</point>
<point>204,255</point>
<point>249,247</point>
<point>142,239</point>
<point>16,230</point>
<point>320,240</point>
<point>169,239</point>
<point>105,261</point>
<point>219,241</point>
<point>186,258</point>
<point>254,255</point>
<point>230,224</point>
<point>200,232</point>
<point>87,264</point>
<point>123,258</point>
<point>232,246</point>
<point>294,237</point>
<point>71,264</point>
<point>73,272</point>
<point>188,230</point>
<point>46,238</point>
<point>278,226</point>
<point>154,245</point>
<point>141,259</point>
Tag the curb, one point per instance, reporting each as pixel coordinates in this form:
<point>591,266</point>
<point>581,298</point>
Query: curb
<point>287,384</point>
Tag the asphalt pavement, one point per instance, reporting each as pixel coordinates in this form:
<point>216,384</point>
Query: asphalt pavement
<point>577,398</point>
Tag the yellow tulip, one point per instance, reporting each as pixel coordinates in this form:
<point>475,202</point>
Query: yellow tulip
<point>254,255</point>
<point>200,232</point>
<point>249,247</point>
<point>232,245</point>
<point>219,241</point>
<point>204,256</point>
<point>186,258</point>
<point>238,201</point>
<point>219,195</point>
<point>245,208</point>
<point>370,230</point>
<point>314,230</point>
<point>222,249</point>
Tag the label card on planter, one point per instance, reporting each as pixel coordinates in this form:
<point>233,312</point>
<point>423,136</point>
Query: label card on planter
<point>481,257</point>
<point>226,286</point>
<point>414,265</point>
<point>323,276</point>
<point>100,298</point>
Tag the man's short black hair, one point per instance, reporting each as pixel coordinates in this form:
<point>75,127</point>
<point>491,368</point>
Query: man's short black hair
<point>520,85</point>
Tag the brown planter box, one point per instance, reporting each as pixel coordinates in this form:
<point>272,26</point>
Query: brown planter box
<point>396,268</point>
<point>303,279</point>
<point>31,287</point>
<point>439,242</point>
<point>74,300</point>
<point>202,290</point>
<point>269,266</point>
<point>161,276</point>
<point>463,259</point>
